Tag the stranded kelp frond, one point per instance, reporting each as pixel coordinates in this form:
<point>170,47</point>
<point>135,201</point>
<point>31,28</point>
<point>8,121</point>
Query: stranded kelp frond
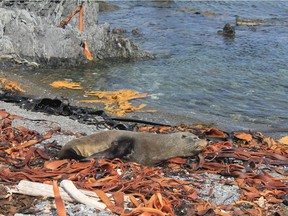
<point>117,102</point>
<point>66,84</point>
<point>10,86</point>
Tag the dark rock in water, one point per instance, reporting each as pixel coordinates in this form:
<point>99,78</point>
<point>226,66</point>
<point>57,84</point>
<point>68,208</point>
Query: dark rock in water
<point>228,30</point>
<point>29,34</point>
<point>104,6</point>
<point>136,32</point>
<point>118,31</point>
<point>156,4</point>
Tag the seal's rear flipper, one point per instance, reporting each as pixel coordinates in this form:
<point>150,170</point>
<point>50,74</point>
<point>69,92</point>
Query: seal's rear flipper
<point>119,149</point>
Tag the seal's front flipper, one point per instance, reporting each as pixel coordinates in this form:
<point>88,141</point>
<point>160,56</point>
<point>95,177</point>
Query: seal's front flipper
<point>119,149</point>
<point>70,154</point>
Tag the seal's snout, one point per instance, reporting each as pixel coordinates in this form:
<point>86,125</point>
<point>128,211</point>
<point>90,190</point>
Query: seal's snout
<point>194,142</point>
<point>200,144</point>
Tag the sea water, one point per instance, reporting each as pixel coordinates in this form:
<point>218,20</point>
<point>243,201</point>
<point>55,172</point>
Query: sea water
<point>239,82</point>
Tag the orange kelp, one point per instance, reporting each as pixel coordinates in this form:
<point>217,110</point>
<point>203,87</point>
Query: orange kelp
<point>117,102</point>
<point>61,211</point>
<point>250,158</point>
<point>79,9</point>
<point>10,86</point>
<point>16,140</point>
<point>66,84</point>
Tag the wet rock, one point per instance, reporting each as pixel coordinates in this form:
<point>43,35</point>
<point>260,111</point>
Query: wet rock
<point>136,32</point>
<point>29,33</point>
<point>253,22</point>
<point>104,6</point>
<point>156,4</point>
<point>228,30</point>
<point>118,31</point>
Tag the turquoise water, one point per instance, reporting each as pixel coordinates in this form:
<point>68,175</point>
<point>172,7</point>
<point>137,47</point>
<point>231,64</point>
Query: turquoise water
<point>240,82</point>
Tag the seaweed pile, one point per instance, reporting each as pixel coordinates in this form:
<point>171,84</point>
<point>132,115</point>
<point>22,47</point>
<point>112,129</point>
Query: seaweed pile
<point>254,163</point>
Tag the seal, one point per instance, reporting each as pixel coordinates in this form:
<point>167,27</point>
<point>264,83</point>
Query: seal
<point>143,148</point>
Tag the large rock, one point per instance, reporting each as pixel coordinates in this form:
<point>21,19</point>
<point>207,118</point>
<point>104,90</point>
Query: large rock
<point>29,33</point>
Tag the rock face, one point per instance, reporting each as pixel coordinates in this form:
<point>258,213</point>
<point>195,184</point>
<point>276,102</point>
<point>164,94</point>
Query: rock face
<point>29,33</point>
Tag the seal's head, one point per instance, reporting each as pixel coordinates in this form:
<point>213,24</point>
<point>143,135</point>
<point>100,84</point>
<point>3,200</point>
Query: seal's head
<point>194,143</point>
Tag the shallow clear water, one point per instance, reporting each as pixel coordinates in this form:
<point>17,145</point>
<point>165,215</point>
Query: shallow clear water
<point>240,82</point>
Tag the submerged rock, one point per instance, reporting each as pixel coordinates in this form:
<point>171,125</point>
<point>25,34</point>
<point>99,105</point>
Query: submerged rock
<point>242,21</point>
<point>118,31</point>
<point>136,32</point>
<point>29,34</point>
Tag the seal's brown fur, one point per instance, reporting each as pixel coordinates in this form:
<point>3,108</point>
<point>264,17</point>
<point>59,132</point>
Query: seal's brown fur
<point>143,148</point>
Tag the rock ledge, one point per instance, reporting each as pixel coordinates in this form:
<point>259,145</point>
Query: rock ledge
<point>29,34</point>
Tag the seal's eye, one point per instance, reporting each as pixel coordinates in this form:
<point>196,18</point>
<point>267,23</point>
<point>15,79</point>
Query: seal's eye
<point>183,136</point>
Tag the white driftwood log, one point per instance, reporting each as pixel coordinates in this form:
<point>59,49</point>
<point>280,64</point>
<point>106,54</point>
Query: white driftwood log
<point>38,189</point>
<point>80,197</point>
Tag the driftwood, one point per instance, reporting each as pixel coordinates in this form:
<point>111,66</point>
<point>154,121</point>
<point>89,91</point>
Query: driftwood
<point>67,188</point>
<point>79,196</point>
